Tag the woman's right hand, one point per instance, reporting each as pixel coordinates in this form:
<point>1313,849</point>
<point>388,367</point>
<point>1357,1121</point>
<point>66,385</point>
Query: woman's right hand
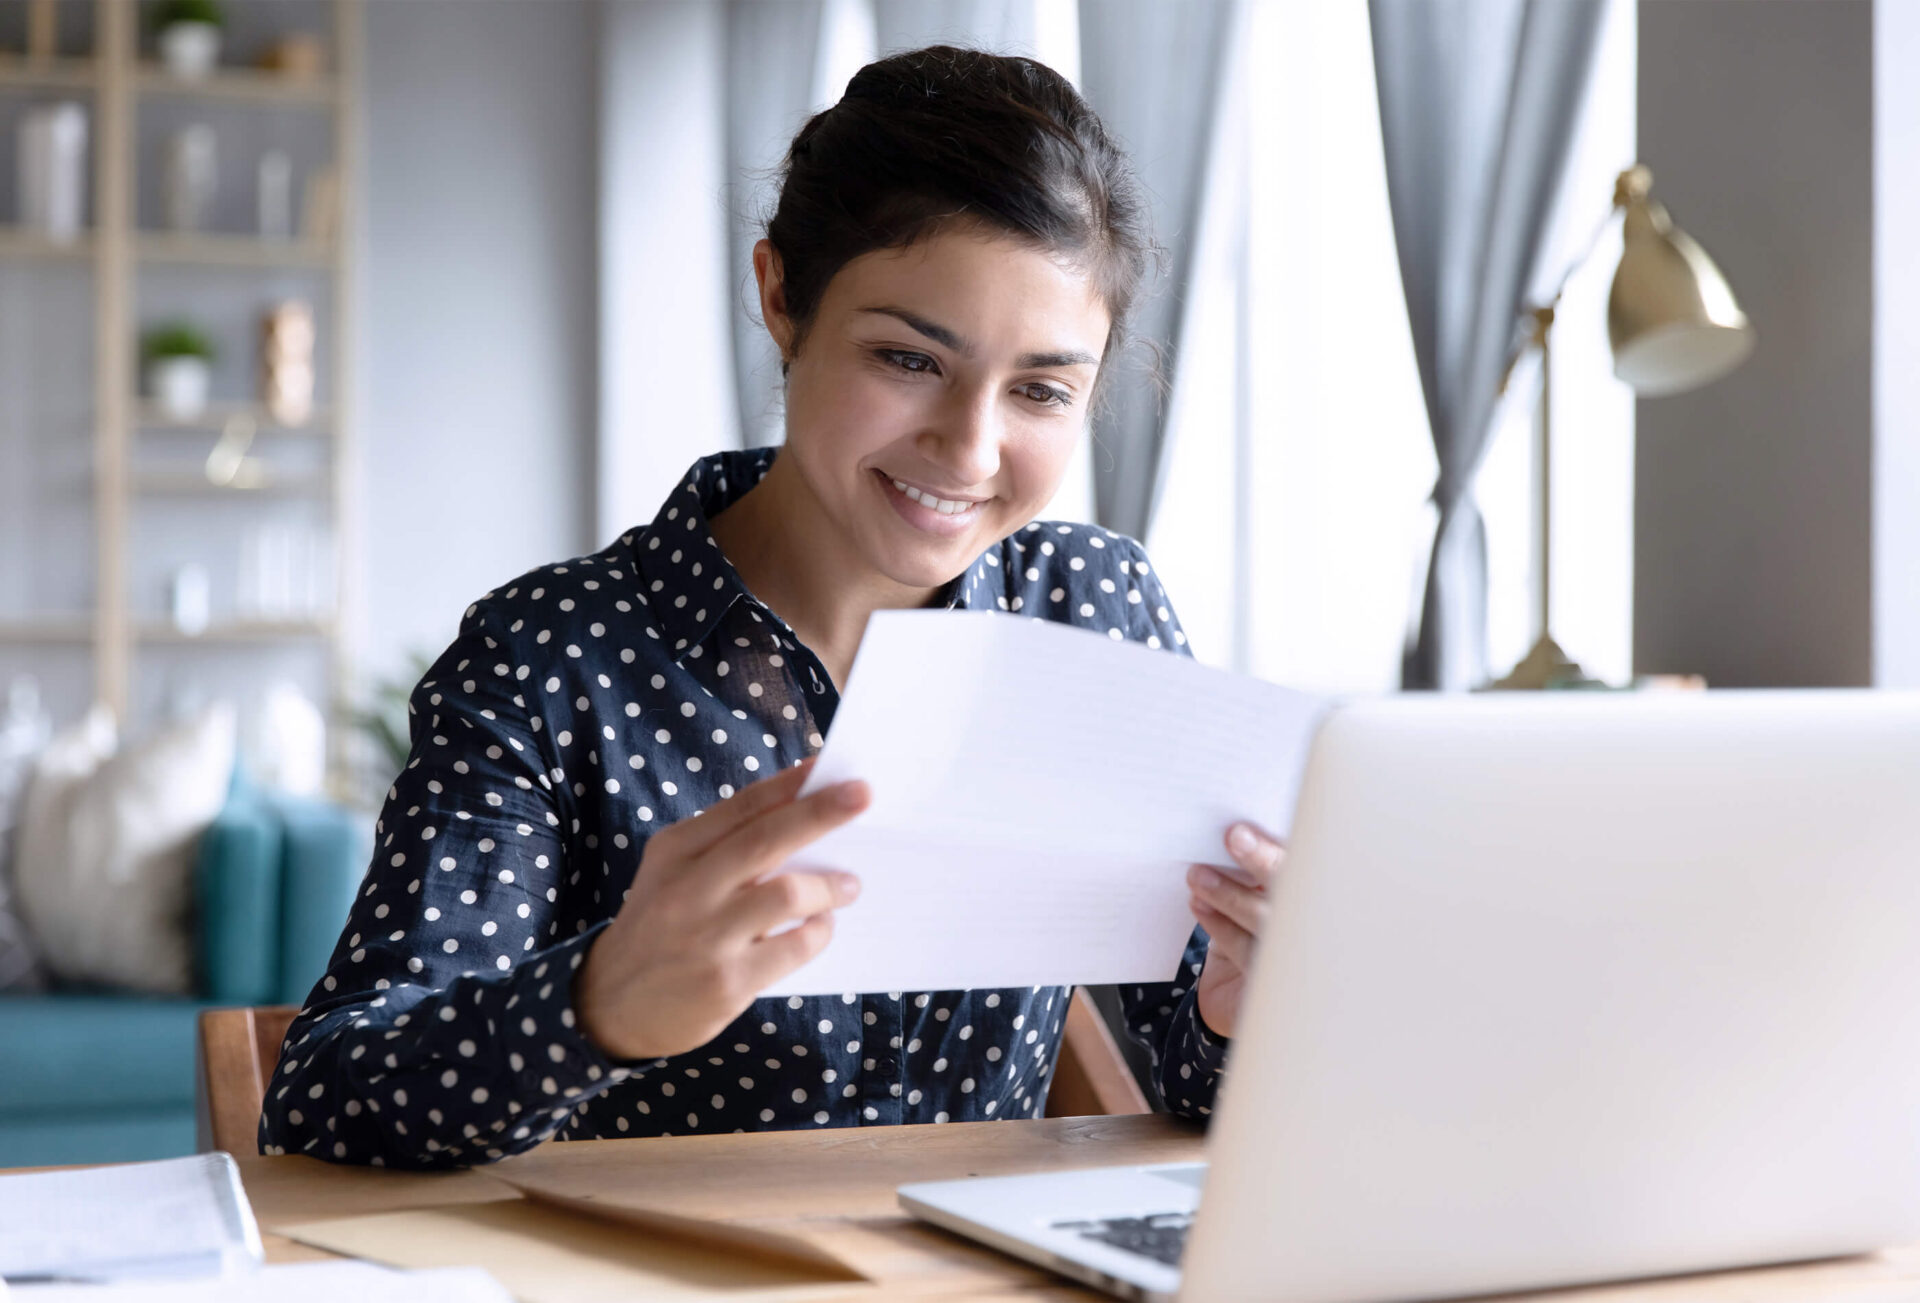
<point>699,934</point>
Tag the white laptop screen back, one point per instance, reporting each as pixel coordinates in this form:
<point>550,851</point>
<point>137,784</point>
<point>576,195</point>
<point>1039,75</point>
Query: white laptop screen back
<point>1579,988</point>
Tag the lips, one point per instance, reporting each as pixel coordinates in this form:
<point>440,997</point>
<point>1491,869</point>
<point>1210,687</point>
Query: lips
<point>928,511</point>
<point>945,506</point>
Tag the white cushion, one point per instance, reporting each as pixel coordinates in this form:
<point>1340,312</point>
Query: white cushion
<point>107,846</point>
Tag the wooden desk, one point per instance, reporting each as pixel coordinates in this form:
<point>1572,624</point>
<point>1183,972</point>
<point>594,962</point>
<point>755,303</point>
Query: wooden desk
<point>840,1184</point>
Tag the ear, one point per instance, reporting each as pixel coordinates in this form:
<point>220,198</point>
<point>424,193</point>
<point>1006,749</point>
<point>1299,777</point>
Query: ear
<point>773,298</point>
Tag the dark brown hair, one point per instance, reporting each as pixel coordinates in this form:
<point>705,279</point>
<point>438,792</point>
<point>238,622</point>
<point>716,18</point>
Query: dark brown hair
<point>930,136</point>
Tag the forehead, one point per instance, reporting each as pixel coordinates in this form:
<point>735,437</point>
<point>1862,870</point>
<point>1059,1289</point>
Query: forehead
<point>986,284</point>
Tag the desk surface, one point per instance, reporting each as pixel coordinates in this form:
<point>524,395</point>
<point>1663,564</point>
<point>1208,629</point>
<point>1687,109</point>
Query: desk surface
<point>839,1186</point>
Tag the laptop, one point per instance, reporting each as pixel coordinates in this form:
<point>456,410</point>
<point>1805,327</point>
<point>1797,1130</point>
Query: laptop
<point>1555,990</point>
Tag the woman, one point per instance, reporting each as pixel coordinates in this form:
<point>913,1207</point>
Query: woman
<point>548,942</point>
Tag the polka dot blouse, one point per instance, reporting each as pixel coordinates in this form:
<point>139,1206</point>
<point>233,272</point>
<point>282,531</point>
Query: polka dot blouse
<point>582,707</point>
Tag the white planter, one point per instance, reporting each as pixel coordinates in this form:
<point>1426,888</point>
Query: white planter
<point>179,386</point>
<point>190,50</point>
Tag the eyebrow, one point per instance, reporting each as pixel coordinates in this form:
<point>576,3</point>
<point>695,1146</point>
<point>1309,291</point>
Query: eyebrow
<point>946,338</point>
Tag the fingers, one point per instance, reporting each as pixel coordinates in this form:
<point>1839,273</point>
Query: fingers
<point>767,905</point>
<point>772,959</point>
<point>1226,938</point>
<point>765,843</point>
<point>1246,906</point>
<point>691,837</point>
<point>1254,853</point>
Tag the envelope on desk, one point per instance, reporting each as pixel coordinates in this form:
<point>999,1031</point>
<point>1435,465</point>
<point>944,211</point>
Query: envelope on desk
<point>1038,793</point>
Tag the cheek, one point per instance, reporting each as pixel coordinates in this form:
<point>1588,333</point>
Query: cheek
<point>847,418</point>
<point>1036,460</point>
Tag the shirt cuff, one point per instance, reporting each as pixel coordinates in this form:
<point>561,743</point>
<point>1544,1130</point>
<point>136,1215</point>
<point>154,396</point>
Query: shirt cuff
<point>552,1057</point>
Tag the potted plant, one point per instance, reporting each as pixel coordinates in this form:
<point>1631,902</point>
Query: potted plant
<point>189,36</point>
<point>178,359</point>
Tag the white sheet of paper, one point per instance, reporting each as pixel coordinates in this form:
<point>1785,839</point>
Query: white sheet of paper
<point>306,1282</point>
<point>1038,793</point>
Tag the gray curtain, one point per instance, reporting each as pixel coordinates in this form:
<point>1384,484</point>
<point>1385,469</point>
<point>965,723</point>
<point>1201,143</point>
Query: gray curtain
<point>771,50</point>
<point>1478,101</point>
<point>1153,71</point>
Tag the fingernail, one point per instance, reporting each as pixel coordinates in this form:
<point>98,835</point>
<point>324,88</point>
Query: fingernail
<point>1205,877</point>
<point>847,885</point>
<point>851,796</point>
<point>1241,840</point>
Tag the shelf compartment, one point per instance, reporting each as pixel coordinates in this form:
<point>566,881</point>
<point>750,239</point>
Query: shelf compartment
<point>46,629</point>
<point>247,85</point>
<point>189,484</point>
<point>19,72</point>
<point>214,419</point>
<point>216,250</point>
<point>17,242</point>
<point>237,631</point>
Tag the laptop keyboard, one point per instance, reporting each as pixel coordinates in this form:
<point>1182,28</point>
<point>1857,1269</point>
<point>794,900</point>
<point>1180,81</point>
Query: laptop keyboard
<point>1160,1236</point>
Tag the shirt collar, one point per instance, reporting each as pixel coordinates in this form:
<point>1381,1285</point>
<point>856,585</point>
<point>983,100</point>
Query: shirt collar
<point>687,583</point>
<point>686,607</point>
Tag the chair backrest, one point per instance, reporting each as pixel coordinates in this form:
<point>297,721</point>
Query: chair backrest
<point>238,1051</point>
<point>1091,1077</point>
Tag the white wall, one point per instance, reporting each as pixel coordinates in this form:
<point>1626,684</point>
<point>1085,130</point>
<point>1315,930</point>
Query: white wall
<point>1896,343</point>
<point>666,351</point>
<point>477,341</point>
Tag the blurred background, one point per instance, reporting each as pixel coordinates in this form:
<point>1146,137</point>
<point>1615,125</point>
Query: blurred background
<point>516,231</point>
<point>320,318</point>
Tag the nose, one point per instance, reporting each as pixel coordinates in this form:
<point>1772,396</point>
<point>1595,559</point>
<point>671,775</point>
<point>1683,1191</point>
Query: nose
<point>963,439</point>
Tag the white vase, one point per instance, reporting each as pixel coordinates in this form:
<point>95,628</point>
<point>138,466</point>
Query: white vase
<point>189,177</point>
<point>52,156</point>
<point>190,50</point>
<point>179,386</point>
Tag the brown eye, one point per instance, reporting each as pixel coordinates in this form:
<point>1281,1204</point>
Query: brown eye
<point>1047,395</point>
<point>917,363</point>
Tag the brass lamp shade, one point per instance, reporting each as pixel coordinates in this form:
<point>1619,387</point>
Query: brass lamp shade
<point>1671,318</point>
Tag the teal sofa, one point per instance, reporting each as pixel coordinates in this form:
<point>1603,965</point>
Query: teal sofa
<point>90,1076</point>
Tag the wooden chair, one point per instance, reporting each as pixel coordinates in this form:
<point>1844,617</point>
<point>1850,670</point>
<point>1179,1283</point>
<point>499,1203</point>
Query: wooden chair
<point>239,1049</point>
<point>1091,1077</point>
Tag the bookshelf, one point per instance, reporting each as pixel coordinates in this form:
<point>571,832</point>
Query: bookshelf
<point>122,251</point>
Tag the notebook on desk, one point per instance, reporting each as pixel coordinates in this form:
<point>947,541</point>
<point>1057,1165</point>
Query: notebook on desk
<point>178,1217</point>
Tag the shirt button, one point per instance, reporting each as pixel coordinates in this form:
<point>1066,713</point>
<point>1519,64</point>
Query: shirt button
<point>885,1065</point>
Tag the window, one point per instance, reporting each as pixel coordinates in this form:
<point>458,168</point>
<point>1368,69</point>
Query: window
<point>1293,528</point>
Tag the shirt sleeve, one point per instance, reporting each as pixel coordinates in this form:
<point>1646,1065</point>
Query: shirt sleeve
<point>443,1033</point>
<point>1187,1057</point>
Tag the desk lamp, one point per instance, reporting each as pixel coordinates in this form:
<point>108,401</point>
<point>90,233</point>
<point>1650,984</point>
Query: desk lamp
<point>1673,325</point>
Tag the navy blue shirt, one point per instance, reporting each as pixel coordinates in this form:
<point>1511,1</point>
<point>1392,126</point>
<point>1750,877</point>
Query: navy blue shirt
<point>583,706</point>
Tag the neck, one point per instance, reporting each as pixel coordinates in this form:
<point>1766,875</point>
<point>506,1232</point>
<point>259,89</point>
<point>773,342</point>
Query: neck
<point>801,563</point>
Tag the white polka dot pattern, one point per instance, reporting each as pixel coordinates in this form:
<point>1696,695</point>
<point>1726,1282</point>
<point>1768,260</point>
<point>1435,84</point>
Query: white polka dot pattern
<point>582,707</point>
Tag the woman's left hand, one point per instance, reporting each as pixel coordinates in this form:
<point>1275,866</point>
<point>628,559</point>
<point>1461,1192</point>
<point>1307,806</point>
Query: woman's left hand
<point>1231,904</point>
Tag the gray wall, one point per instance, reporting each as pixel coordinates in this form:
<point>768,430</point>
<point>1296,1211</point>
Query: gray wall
<point>477,366</point>
<point>1753,497</point>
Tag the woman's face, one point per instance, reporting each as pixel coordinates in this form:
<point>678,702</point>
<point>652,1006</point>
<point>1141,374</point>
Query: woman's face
<point>936,398</point>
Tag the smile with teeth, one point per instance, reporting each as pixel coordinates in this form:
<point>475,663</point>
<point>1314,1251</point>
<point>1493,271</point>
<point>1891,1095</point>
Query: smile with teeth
<point>945,506</point>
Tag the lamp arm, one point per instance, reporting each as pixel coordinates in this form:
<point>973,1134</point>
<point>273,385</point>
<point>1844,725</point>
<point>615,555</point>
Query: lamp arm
<point>1533,336</point>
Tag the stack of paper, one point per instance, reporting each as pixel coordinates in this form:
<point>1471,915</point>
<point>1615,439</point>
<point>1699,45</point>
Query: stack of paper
<point>1038,793</point>
<point>178,1217</point>
<point>307,1282</point>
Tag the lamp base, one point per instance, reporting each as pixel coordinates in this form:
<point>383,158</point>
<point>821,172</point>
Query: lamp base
<point>1545,667</point>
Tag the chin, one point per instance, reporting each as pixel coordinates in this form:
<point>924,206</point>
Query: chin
<point>925,567</point>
